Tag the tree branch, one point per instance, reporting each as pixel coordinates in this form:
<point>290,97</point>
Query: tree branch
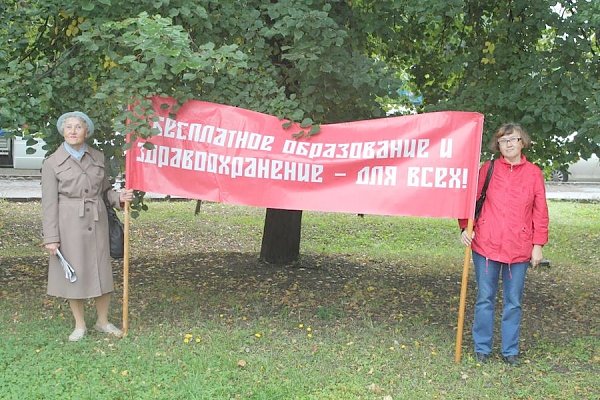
<point>61,60</point>
<point>33,46</point>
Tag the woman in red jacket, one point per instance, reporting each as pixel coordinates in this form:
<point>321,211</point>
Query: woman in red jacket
<point>508,236</point>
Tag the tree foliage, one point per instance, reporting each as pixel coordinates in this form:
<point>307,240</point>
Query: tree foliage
<point>530,61</point>
<point>293,59</point>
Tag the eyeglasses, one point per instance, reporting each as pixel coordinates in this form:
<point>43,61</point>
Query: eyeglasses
<point>506,141</point>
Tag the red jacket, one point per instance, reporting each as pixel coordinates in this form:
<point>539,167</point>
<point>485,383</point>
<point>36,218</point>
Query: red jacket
<point>514,216</point>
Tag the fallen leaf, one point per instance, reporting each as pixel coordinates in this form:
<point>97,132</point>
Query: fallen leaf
<point>375,388</point>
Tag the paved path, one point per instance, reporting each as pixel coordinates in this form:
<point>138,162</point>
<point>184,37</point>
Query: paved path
<point>23,185</point>
<point>579,191</point>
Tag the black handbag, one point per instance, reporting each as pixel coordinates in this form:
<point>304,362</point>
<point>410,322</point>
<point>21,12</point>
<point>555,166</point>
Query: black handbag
<point>481,199</point>
<point>116,234</point>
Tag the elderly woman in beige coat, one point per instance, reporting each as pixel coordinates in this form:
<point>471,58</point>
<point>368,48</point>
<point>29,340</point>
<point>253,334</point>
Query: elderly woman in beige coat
<point>75,221</point>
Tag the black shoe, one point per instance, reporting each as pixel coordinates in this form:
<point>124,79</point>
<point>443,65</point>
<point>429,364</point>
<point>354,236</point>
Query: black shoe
<point>511,360</point>
<point>482,358</point>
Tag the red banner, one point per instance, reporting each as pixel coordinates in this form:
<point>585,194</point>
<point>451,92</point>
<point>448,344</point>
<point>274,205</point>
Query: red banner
<point>422,165</point>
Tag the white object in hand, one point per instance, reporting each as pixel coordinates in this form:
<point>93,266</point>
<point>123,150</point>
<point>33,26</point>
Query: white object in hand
<point>69,271</point>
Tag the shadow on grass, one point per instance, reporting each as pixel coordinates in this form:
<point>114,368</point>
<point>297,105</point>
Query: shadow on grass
<point>332,290</point>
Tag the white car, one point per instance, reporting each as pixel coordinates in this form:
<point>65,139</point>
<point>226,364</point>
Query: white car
<point>580,171</point>
<point>13,153</point>
<point>22,160</point>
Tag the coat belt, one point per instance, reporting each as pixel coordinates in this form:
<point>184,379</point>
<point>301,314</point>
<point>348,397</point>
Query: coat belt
<point>82,201</point>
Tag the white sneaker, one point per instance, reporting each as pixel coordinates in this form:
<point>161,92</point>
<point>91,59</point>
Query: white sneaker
<point>77,334</point>
<point>110,329</point>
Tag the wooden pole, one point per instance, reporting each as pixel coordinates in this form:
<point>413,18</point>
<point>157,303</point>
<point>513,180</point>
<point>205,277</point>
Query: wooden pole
<point>463,296</point>
<point>126,271</point>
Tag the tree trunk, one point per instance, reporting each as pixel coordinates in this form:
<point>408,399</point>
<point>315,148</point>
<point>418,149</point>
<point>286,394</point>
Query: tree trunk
<point>281,236</point>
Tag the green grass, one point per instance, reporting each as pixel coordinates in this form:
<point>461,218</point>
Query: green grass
<point>368,312</point>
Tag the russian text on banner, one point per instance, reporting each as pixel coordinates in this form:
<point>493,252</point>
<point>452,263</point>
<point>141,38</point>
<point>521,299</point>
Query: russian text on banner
<point>420,165</point>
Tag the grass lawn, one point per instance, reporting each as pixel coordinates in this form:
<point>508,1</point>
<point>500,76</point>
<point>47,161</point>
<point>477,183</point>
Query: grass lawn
<point>368,312</point>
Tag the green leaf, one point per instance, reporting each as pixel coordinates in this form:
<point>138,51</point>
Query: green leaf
<point>297,115</point>
<point>87,5</point>
<point>128,59</point>
<point>306,122</point>
<point>527,119</point>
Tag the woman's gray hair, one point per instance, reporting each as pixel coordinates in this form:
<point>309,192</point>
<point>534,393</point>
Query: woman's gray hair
<point>75,114</point>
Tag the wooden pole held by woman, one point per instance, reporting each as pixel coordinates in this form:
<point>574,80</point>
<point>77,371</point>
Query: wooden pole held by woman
<point>126,270</point>
<point>463,296</point>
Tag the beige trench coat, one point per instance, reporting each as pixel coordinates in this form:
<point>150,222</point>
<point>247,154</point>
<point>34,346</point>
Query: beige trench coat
<point>74,214</point>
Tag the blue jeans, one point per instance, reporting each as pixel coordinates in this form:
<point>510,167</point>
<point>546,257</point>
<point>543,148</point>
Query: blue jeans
<point>487,274</point>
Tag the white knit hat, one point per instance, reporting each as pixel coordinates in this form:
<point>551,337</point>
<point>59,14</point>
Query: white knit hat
<point>77,114</point>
